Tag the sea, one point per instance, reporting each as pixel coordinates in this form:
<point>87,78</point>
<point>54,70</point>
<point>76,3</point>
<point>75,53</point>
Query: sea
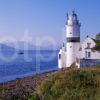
<point>26,63</point>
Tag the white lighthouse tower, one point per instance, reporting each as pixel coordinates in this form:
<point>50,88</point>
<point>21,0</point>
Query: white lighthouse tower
<point>73,39</point>
<point>73,53</point>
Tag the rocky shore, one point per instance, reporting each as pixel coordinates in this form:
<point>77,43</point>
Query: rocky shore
<point>22,88</point>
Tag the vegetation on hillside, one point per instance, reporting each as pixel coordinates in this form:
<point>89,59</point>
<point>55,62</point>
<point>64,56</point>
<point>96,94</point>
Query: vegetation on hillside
<point>72,84</point>
<point>97,46</point>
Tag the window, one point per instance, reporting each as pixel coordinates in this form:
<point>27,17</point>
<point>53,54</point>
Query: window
<point>86,54</point>
<point>88,45</point>
<point>80,49</point>
<point>89,54</point>
<point>59,56</point>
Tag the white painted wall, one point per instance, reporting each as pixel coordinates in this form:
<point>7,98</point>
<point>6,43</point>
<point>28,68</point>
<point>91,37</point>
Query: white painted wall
<point>62,60</point>
<point>94,54</point>
<point>72,31</point>
<point>72,53</point>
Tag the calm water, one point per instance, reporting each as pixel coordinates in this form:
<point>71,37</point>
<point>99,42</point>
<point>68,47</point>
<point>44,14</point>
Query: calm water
<point>31,62</point>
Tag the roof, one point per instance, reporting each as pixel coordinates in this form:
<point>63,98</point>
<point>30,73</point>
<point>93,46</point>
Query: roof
<point>91,38</point>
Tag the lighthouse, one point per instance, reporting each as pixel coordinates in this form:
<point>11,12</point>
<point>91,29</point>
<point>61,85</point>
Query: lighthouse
<point>73,53</point>
<point>72,39</point>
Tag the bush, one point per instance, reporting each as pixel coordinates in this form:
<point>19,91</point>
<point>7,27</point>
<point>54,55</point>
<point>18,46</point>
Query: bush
<point>34,97</point>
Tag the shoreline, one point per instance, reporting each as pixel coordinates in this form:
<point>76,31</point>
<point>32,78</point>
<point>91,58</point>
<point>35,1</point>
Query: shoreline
<point>25,76</point>
<point>22,87</point>
<point>33,73</point>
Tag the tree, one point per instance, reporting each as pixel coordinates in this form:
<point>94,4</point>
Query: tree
<point>98,36</point>
<point>97,46</point>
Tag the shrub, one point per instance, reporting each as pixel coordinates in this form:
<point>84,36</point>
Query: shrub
<point>34,97</point>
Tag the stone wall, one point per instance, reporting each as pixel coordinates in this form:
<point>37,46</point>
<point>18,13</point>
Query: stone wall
<point>89,62</point>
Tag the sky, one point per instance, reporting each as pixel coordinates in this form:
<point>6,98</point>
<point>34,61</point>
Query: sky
<point>41,18</point>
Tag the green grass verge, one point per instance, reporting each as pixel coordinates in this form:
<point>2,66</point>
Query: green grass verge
<point>72,84</point>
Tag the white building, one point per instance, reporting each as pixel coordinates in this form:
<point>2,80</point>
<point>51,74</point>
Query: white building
<point>74,52</point>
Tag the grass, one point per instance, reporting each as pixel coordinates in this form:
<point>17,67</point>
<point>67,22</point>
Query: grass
<point>72,84</point>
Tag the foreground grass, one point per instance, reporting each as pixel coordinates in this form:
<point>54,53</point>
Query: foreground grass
<point>72,84</point>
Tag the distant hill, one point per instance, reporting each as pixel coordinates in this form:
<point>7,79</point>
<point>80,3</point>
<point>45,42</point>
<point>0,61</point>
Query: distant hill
<point>22,45</point>
<point>4,47</point>
<point>6,50</point>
